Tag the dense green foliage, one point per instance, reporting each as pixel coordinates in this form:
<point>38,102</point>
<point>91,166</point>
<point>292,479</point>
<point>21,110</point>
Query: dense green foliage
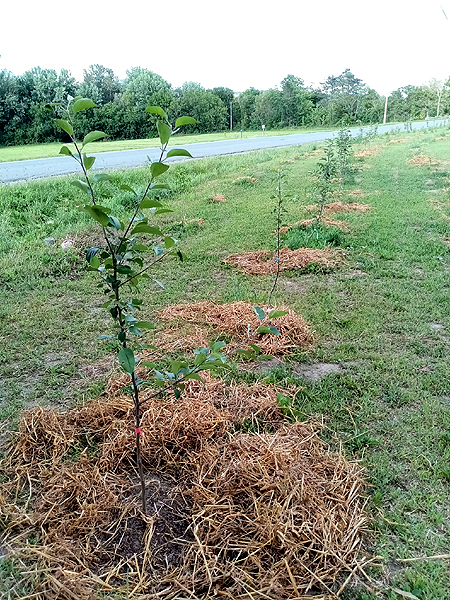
<point>340,100</point>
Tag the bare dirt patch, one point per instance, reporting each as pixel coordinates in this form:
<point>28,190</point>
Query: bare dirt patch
<point>317,371</point>
<point>263,262</point>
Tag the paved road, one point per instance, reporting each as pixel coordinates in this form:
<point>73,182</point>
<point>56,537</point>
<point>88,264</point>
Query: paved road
<point>26,170</point>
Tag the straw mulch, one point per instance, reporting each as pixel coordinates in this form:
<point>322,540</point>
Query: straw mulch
<point>347,207</point>
<point>324,221</point>
<point>217,198</point>
<point>400,141</point>
<point>238,321</point>
<point>236,515</point>
<point>368,152</point>
<point>422,160</point>
<point>335,207</point>
<point>246,179</point>
<point>263,262</point>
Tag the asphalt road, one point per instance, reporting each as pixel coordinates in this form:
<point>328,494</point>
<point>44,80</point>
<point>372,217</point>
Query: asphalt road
<point>26,170</point>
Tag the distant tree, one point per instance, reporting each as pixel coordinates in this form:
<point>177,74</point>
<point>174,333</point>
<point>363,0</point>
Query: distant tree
<point>142,84</point>
<point>247,104</point>
<point>270,109</point>
<point>342,97</point>
<point>227,97</point>
<point>207,108</point>
<point>438,87</point>
<point>297,101</point>
<point>100,84</point>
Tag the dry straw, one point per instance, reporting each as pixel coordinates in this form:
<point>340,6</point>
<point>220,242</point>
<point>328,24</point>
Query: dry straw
<point>263,262</point>
<point>324,221</point>
<point>232,515</point>
<point>335,207</point>
<point>238,321</point>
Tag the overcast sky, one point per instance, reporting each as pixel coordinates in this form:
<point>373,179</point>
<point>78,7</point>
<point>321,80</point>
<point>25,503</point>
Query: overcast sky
<point>233,43</point>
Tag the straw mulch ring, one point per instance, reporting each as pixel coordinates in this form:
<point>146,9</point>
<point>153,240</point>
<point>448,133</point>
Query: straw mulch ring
<point>422,160</point>
<point>324,222</point>
<point>347,207</point>
<point>244,180</point>
<point>335,207</point>
<point>218,198</point>
<point>263,262</point>
<point>238,321</point>
<point>236,515</point>
<point>368,152</point>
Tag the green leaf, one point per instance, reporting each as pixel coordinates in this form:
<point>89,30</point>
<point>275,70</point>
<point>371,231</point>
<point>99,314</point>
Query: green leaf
<point>158,168</point>
<point>163,211</point>
<point>185,121</point>
<point>127,360</point>
<point>135,330</point>
<point>195,376</point>
<point>97,213</point>
<point>88,161</point>
<point>127,188</point>
<point>144,228</point>
<point>65,151</point>
<point>169,242</point>
<point>114,222</point>
<point>148,364</point>
<point>160,186</point>
<point>95,262</point>
<point>274,330</point>
<point>82,104</point>
<point>145,325</point>
<point>148,203</point>
<point>81,185</point>
<point>263,329</point>
<point>93,136</point>
<point>164,132</point>
<point>64,125</point>
<point>102,177</point>
<point>156,110</point>
<point>259,312</point>
<point>91,252</point>
<point>122,336</point>
<point>178,152</point>
<point>278,313</point>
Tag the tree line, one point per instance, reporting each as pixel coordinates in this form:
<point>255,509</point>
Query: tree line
<point>339,100</point>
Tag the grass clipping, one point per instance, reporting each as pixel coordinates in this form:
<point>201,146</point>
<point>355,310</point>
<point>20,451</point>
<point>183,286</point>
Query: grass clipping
<point>263,262</point>
<point>240,515</point>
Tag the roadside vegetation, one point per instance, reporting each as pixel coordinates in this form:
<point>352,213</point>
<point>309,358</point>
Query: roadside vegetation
<point>340,100</point>
<point>378,372</point>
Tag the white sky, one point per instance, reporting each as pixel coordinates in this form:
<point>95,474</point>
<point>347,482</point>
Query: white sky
<point>233,43</point>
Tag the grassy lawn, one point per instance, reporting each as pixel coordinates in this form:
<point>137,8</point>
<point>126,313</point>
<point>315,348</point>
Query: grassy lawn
<point>384,317</point>
<point>30,151</point>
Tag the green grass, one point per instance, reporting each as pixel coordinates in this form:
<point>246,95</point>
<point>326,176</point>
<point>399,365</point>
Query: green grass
<point>385,316</point>
<point>30,151</point>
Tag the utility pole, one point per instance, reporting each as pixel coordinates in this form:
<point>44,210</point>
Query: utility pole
<point>231,115</point>
<point>385,110</point>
